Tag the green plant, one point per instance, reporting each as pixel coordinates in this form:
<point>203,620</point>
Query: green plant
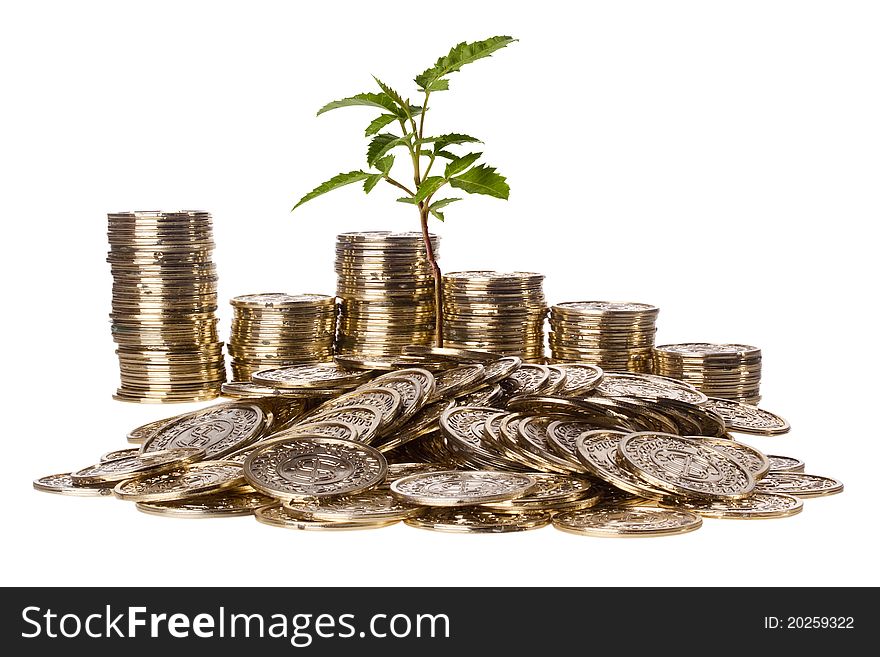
<point>460,172</point>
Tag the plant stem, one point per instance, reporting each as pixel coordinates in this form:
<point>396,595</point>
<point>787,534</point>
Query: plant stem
<point>397,184</point>
<point>438,277</point>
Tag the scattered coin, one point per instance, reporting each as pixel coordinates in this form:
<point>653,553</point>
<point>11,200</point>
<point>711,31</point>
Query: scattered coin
<point>320,375</point>
<point>618,384</point>
<point>451,354</point>
<point>366,420</point>
<point>63,484</point>
<point>375,504</point>
<point>226,504</point>
<point>597,451</point>
<point>745,418</point>
<point>580,378</point>
<point>461,487</point>
<point>627,521</point>
<point>190,481</point>
<point>756,461</point>
<point>478,521</point>
<point>550,490</point>
<point>303,466</point>
<point>799,484</point>
<point>134,466</point>
<point>459,381</point>
<point>785,464</point>
<point>756,505</point>
<point>120,453</point>
<point>276,516</point>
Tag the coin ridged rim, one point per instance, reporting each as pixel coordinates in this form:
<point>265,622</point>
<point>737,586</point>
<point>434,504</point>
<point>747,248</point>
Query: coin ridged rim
<point>144,464</point>
<point>274,515</point>
<point>450,520</point>
<point>69,488</point>
<point>566,522</point>
<point>738,509</point>
<point>121,489</point>
<point>398,488</point>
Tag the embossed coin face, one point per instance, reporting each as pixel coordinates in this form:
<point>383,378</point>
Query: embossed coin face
<point>246,390</point>
<point>501,369</point>
<point>485,396</point>
<point>321,375</point>
<point>399,470</point>
<point>280,300</point>
<point>455,355</point>
<point>785,464</point>
<point>755,506</point>
<point>549,490</point>
<point>328,428</point>
<point>646,386</point>
<point>135,466</point>
<point>63,484</point>
<point>300,467</point>
<point>120,454</point>
<point>462,487</point>
<point>465,424</point>
<point>226,504</point>
<point>366,420</point>
<point>422,376</point>
<point>597,451</point>
<point>555,382</point>
<point>140,434</point>
<point>756,461</point>
<point>581,378</point>
<point>562,436</point>
<point>478,521</point>
<point>387,400</point>
<point>276,516</point>
<point>375,504</point>
<point>412,397</point>
<point>799,484</point>
<point>709,349</point>
<point>684,467</point>
<point>533,433</point>
<point>219,430</point>
<point>528,379</point>
<point>458,380</point>
<point>748,419</point>
<point>625,521</point>
<point>193,480</point>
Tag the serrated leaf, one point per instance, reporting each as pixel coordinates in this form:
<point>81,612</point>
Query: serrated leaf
<point>446,154</point>
<point>429,185</point>
<point>439,215</point>
<point>459,55</point>
<point>482,179</point>
<point>372,181</point>
<point>443,202</point>
<point>457,166</point>
<point>406,199</point>
<point>382,101</point>
<point>442,141</point>
<point>384,164</point>
<point>378,123</point>
<point>335,182</point>
<point>381,144</point>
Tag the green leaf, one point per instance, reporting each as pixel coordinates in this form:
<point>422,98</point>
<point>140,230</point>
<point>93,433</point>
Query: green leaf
<point>482,179</point>
<point>382,101</point>
<point>384,164</point>
<point>381,144</point>
<point>443,202</point>
<point>372,181</point>
<point>446,154</point>
<point>406,199</point>
<point>442,141</point>
<point>457,166</point>
<point>334,183</point>
<point>463,53</point>
<point>437,214</point>
<point>403,106</point>
<point>429,185</point>
<point>378,123</point>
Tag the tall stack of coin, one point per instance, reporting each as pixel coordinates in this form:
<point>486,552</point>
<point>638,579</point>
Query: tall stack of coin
<point>728,371</point>
<point>495,311</point>
<point>164,303</point>
<point>274,329</point>
<point>616,336</point>
<point>386,291</point>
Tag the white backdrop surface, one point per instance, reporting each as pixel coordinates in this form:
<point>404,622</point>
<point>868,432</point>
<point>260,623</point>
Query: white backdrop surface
<point>719,160</point>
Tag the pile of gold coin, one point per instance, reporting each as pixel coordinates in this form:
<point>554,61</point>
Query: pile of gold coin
<point>496,311</point>
<point>274,329</point>
<point>164,304</point>
<point>616,336</point>
<point>494,446</point>
<point>386,290</point>
<point>726,371</point>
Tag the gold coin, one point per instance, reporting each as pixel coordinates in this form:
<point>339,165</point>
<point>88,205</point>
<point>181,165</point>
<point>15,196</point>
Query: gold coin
<point>226,504</point>
<point>755,506</point>
<point>275,516</point>
<point>478,521</point>
<point>63,484</point>
<point>627,521</point>
<point>191,481</point>
<point>799,484</point>
<point>157,462</point>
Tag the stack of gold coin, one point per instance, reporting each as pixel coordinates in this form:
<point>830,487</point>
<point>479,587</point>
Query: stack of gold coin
<point>495,311</point>
<point>271,330</point>
<point>164,303</point>
<point>386,291</point>
<point>616,336</point>
<point>726,371</point>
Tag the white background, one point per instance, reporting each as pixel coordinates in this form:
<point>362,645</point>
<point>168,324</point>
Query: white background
<point>717,159</point>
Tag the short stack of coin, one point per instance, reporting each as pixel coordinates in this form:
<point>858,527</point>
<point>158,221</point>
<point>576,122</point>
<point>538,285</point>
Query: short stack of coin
<point>386,292</point>
<point>495,311</point>
<point>274,329</point>
<point>726,371</point>
<point>616,336</point>
<point>164,303</point>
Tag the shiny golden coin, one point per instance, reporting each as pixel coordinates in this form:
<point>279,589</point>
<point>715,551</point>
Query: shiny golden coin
<point>462,487</point>
<point>745,418</point>
<point>375,504</point>
<point>275,516</point>
<point>627,521</point>
<point>321,375</point>
<point>799,484</point>
<point>191,481</point>
<point>140,434</point>
<point>63,484</point>
<point>549,490</point>
<point>478,521</point>
<point>120,454</point>
<point>367,420</point>
<point>157,462</point>
<point>227,504</point>
<point>459,380</point>
<point>756,461</point>
<point>785,464</point>
<point>597,451</point>
<point>755,506</point>
<point>455,355</point>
